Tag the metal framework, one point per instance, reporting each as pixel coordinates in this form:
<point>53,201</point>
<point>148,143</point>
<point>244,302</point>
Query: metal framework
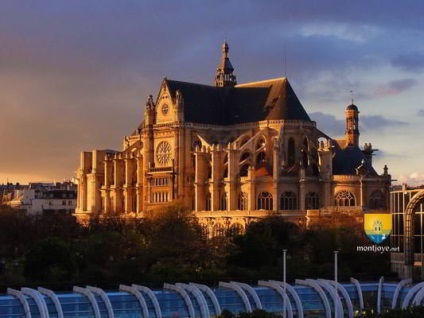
<point>321,293</point>
<point>398,289</point>
<point>359,290</point>
<point>152,297</point>
<point>39,300</point>
<point>295,296</point>
<point>105,298</point>
<point>239,291</point>
<point>184,295</point>
<point>346,296</point>
<point>409,296</point>
<point>409,228</point>
<point>21,298</point>
<point>203,305</point>
<point>280,291</point>
<point>85,292</point>
<point>134,291</point>
<point>54,298</point>
<point>338,306</point>
<point>252,293</point>
<point>211,295</point>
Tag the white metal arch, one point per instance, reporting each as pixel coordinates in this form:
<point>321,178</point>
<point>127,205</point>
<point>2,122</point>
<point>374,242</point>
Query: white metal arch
<point>252,293</point>
<point>204,310</point>
<point>184,295</point>
<point>280,291</point>
<point>359,290</point>
<point>21,298</point>
<point>346,296</point>
<point>39,301</point>
<point>211,295</point>
<point>399,287</point>
<point>380,291</point>
<point>411,294</point>
<point>239,291</point>
<point>85,292</point>
<point>55,300</point>
<point>105,298</point>
<point>338,310</point>
<point>418,298</point>
<point>320,292</point>
<point>139,296</point>
<point>152,297</point>
<point>295,296</point>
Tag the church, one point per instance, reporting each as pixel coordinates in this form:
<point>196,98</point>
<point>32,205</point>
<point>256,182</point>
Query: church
<point>232,153</point>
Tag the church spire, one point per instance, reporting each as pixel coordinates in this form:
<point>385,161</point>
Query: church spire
<point>224,73</point>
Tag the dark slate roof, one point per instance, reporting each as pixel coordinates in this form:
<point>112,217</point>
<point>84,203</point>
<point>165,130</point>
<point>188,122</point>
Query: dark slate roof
<point>346,160</point>
<point>352,107</point>
<point>266,100</point>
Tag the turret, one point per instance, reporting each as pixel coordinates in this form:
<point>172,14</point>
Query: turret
<point>224,73</point>
<point>352,128</point>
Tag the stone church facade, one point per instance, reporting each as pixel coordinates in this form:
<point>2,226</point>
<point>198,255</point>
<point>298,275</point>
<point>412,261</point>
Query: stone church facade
<point>232,153</point>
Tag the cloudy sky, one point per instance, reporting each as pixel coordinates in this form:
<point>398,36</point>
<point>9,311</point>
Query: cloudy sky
<point>75,75</point>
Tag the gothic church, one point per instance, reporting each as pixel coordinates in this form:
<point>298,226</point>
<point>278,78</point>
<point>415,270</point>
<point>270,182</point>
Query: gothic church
<point>232,153</point>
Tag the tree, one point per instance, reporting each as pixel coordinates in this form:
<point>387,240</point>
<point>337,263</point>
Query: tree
<point>50,260</point>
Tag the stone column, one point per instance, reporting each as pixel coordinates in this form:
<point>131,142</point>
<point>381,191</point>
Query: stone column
<point>200,180</point>
<point>275,175</point>
<point>252,191</point>
<point>233,178</point>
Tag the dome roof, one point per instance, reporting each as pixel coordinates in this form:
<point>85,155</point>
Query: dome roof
<point>352,107</point>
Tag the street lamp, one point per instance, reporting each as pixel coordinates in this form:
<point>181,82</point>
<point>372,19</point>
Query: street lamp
<point>335,280</point>
<point>284,280</point>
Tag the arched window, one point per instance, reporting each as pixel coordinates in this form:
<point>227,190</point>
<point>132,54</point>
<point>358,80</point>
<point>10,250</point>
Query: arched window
<point>209,171</point>
<point>288,201</point>
<point>291,152</point>
<point>236,229</point>
<point>225,172</point>
<point>260,157</point>
<point>377,200</point>
<point>208,204</point>
<point>242,201</point>
<point>204,232</point>
<point>245,156</point>
<point>312,201</point>
<point>265,201</point>
<point>244,170</point>
<point>218,230</point>
<point>223,203</point>
<point>305,151</point>
<point>260,143</point>
<point>345,198</point>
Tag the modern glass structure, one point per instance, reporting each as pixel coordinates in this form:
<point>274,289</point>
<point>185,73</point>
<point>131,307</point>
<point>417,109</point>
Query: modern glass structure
<point>407,209</point>
<point>306,298</point>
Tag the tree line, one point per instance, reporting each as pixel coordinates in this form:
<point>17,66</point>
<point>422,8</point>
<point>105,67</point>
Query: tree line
<point>57,252</point>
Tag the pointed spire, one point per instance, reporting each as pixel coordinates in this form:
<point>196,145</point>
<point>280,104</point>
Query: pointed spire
<point>224,73</point>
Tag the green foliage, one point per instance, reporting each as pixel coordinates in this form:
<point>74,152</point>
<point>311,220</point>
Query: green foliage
<point>51,260</point>
<point>412,312</point>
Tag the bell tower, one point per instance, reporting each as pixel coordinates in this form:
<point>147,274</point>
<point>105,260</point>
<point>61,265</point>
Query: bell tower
<point>352,128</point>
<point>224,73</point>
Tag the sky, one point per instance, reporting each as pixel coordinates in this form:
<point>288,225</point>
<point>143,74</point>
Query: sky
<point>75,75</point>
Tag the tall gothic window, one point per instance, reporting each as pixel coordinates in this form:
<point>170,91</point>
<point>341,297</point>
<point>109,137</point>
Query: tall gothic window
<point>288,201</point>
<point>265,201</point>
<point>208,202</point>
<point>236,229</point>
<point>312,201</point>
<point>218,230</point>
<point>345,198</point>
<point>305,153</point>
<point>291,152</point>
<point>223,203</point>
<point>377,200</point>
<point>242,201</point>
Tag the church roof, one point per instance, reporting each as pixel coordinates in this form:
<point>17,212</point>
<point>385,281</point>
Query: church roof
<point>346,160</point>
<point>266,100</point>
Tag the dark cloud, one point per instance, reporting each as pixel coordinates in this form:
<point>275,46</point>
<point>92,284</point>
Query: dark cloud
<point>412,62</point>
<point>395,87</point>
<point>420,112</point>
<point>329,124</point>
<point>378,122</point>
